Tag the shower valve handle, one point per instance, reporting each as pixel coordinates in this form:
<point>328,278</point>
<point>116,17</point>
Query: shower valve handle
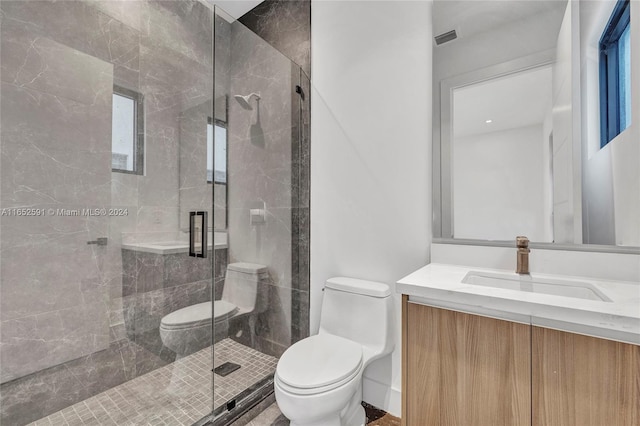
<point>102,241</point>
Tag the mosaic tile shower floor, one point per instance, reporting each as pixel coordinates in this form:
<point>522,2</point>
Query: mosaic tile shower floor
<point>176,394</point>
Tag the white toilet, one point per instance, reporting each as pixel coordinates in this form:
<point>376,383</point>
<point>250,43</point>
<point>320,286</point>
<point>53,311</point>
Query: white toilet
<point>188,330</point>
<point>318,380</point>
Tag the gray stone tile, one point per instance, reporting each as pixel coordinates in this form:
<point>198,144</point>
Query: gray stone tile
<point>181,268</point>
<point>40,63</point>
<point>39,341</point>
<point>34,396</point>
<point>75,126</point>
<point>286,25</point>
<point>149,271</point>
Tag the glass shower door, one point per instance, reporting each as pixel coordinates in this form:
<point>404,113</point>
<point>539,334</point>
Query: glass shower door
<point>105,318</point>
<point>259,98</point>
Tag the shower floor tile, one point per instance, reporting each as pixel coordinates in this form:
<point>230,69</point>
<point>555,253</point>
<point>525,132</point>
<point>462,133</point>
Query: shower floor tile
<point>176,394</point>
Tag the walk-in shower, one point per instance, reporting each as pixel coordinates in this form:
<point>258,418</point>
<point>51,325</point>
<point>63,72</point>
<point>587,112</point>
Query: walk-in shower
<point>117,132</point>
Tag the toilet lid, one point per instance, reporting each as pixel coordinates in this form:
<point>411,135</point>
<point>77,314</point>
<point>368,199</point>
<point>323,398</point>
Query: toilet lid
<point>223,309</point>
<point>319,361</point>
<point>195,315</point>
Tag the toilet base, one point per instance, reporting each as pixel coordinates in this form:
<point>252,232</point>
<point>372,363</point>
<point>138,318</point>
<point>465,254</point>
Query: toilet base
<point>353,414</point>
<point>324,422</point>
<point>301,406</point>
<point>357,418</point>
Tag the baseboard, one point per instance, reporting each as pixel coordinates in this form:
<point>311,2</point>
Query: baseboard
<point>382,395</point>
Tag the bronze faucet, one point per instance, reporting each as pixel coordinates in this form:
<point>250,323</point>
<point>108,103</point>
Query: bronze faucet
<point>523,255</point>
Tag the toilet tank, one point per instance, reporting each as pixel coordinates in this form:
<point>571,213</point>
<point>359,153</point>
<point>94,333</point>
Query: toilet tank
<point>361,311</point>
<point>245,286</point>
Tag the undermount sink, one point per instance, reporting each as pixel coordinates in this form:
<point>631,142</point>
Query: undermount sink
<point>556,287</point>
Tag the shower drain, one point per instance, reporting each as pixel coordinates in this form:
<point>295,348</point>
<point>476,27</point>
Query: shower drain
<point>226,369</point>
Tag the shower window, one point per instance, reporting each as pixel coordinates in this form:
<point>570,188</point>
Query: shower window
<point>615,74</point>
<point>127,131</point>
<point>216,160</point>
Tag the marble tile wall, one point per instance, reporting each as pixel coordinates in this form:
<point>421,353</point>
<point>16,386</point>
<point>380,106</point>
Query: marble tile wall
<point>286,25</point>
<point>194,191</point>
<point>260,172</point>
<point>155,285</point>
<point>55,153</point>
<point>36,395</point>
<point>269,163</point>
<point>221,95</point>
<point>300,235</point>
<point>65,306</point>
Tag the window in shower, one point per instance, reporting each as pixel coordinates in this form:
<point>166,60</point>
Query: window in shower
<point>216,160</point>
<point>127,132</point>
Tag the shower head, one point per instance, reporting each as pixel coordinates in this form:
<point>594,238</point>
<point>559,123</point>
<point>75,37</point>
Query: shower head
<point>244,100</point>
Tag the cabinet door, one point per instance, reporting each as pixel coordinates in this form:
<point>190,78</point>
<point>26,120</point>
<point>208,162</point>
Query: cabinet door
<point>584,381</point>
<point>464,370</point>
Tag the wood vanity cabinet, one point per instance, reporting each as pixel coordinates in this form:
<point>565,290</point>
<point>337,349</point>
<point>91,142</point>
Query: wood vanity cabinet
<point>464,370</point>
<point>461,369</point>
<point>583,381</point>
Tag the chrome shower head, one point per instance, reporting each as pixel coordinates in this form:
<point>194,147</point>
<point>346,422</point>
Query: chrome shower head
<point>244,100</point>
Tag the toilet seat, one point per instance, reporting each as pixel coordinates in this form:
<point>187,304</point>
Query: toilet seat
<point>318,364</point>
<point>198,315</point>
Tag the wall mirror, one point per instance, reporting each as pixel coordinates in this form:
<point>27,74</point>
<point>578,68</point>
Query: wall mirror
<point>517,138</point>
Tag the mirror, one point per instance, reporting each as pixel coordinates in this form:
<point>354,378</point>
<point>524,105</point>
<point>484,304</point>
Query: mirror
<point>517,138</point>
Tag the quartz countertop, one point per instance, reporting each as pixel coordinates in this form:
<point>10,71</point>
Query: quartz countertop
<point>442,286</point>
<point>175,246</point>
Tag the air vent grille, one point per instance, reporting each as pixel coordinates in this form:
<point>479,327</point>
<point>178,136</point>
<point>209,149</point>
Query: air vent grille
<point>445,37</point>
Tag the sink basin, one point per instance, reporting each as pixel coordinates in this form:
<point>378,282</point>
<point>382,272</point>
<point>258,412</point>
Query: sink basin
<point>556,287</point>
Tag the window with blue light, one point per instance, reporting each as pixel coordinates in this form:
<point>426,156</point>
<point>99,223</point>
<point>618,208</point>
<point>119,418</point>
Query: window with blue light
<point>615,74</point>
<point>216,151</point>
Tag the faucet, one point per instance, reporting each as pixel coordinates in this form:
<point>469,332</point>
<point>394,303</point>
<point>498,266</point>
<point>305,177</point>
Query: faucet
<point>522,243</point>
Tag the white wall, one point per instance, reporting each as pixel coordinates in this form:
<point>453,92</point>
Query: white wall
<point>371,154</point>
<point>495,197</point>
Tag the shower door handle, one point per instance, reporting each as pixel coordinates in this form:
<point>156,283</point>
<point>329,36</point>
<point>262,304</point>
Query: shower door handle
<point>198,229</point>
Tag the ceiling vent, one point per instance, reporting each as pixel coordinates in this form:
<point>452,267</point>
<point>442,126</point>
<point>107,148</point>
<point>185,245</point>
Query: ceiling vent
<point>445,37</point>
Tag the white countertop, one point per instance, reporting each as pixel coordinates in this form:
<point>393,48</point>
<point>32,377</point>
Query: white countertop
<point>165,247</point>
<point>441,285</point>
<point>167,243</point>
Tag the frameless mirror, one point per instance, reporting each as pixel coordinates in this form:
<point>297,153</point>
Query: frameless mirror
<point>517,138</point>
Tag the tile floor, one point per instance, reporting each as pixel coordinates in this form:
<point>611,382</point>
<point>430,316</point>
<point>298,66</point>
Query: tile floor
<point>255,366</point>
<point>273,417</point>
<point>176,394</point>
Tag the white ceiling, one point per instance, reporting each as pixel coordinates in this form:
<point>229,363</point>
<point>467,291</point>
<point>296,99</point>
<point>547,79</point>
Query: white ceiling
<point>235,8</point>
<point>516,100</point>
<point>469,17</point>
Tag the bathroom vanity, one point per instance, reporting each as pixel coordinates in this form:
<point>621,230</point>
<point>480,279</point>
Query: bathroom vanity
<point>491,347</point>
